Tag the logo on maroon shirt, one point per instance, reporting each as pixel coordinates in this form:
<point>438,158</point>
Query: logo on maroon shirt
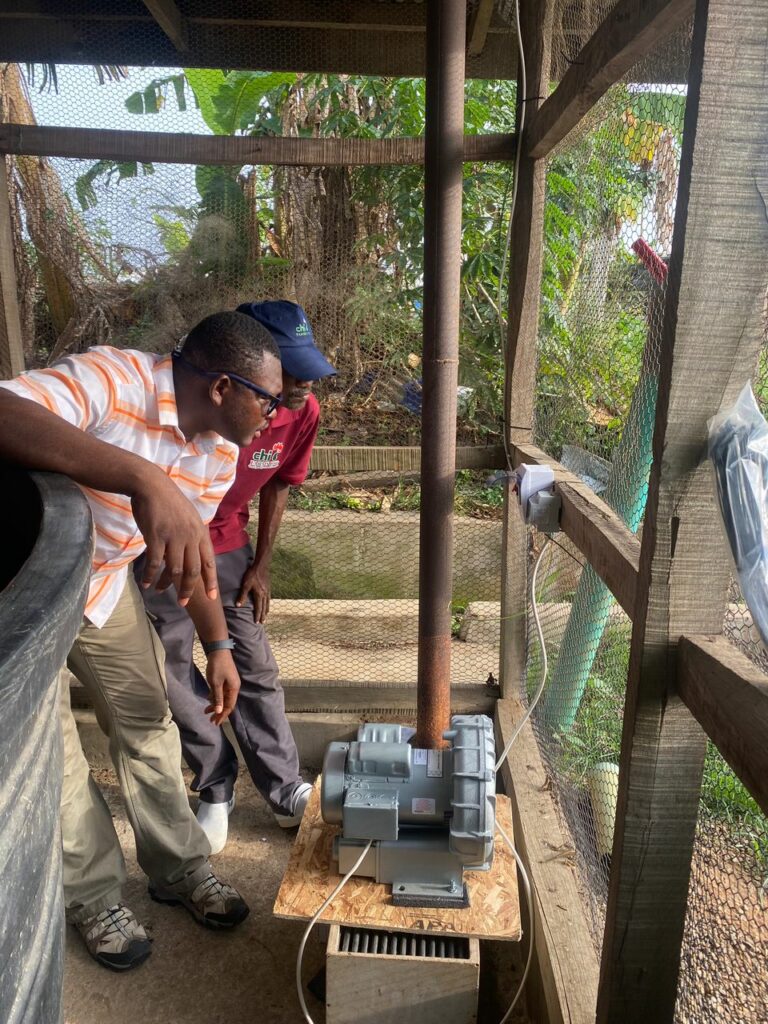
<point>267,458</point>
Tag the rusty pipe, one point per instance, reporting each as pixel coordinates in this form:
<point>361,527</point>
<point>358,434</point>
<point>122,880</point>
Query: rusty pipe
<point>444,140</point>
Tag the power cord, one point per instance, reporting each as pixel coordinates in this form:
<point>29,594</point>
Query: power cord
<point>529,898</point>
<point>544,662</point>
<point>326,903</point>
<point>527,884</point>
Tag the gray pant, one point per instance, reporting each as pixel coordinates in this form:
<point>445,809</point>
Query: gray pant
<point>258,721</point>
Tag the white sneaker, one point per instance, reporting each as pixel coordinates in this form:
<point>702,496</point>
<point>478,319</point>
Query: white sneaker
<point>298,806</point>
<point>214,821</point>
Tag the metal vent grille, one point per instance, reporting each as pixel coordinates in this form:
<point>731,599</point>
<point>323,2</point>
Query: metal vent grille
<point>373,942</point>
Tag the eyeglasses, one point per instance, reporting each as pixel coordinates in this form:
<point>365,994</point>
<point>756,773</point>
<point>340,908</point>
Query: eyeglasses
<point>272,400</point>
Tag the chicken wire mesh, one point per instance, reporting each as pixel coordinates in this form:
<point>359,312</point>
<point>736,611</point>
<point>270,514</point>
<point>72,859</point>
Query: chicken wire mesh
<point>132,253</point>
<point>610,205</point>
<point>609,215</point>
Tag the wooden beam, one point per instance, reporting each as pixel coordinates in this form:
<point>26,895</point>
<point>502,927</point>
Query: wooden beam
<point>342,459</point>
<point>173,147</point>
<point>728,695</point>
<point>630,32</point>
<point>565,963</point>
<point>11,344</point>
<point>712,333</point>
<point>479,26</point>
<point>608,545</point>
<point>327,41</point>
<point>524,277</point>
<point>168,17</point>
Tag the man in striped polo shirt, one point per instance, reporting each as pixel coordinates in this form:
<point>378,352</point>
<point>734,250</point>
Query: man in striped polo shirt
<point>153,442</point>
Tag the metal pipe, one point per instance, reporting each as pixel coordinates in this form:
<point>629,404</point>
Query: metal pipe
<point>444,142</point>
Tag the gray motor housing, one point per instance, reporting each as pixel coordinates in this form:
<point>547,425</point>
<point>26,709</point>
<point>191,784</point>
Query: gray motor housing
<point>381,788</point>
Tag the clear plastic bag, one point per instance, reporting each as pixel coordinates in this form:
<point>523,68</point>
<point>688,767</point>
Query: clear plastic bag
<point>738,448</point>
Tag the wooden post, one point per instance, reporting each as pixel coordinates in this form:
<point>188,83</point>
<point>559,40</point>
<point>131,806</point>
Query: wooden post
<point>11,347</point>
<point>525,265</point>
<point>712,333</point>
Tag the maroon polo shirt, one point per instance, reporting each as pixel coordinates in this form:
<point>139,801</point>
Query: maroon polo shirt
<point>283,450</point>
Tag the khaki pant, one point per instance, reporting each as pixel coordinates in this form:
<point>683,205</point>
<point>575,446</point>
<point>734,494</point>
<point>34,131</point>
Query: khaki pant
<point>121,667</point>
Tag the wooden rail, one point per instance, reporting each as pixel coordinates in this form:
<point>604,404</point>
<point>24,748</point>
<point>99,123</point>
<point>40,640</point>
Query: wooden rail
<point>183,148</point>
<point>611,548</point>
<point>728,695</point>
<point>349,459</point>
<point>629,33</point>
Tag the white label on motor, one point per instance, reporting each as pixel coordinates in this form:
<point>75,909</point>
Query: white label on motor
<point>419,756</point>
<point>422,805</point>
<point>434,764</point>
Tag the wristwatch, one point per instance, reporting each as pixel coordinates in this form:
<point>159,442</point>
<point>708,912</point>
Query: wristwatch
<point>218,645</point>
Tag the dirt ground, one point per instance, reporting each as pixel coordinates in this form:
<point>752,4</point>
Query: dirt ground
<point>196,976</point>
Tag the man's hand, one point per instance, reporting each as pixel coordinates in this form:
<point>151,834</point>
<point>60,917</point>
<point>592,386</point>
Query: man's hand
<point>224,685</point>
<point>256,583</point>
<point>175,536</point>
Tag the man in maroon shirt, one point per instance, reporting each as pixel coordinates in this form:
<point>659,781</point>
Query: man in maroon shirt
<point>268,466</point>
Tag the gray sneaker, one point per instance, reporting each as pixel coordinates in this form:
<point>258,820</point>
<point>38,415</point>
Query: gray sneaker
<point>213,903</point>
<point>115,939</point>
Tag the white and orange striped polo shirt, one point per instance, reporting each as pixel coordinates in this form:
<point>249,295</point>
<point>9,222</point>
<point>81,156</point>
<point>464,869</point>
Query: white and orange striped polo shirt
<point>127,399</point>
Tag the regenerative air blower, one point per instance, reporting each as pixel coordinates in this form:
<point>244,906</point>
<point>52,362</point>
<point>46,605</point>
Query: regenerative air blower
<point>430,813</point>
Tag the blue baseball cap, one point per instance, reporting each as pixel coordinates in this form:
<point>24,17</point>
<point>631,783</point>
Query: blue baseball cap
<point>288,325</point>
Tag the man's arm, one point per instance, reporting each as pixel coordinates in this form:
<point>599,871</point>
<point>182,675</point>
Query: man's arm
<point>33,437</point>
<point>272,501</point>
<point>221,674</point>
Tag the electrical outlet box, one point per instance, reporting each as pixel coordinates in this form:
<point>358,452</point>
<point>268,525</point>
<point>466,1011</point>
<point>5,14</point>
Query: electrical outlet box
<point>539,504</point>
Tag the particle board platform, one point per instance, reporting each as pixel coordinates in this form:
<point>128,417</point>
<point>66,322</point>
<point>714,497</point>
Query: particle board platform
<point>494,911</point>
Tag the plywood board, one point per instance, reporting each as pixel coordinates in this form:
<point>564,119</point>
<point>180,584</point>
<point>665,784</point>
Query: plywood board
<point>494,911</point>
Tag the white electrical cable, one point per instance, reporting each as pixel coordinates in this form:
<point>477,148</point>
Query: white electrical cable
<point>313,922</point>
<point>544,666</point>
<point>527,884</point>
<point>529,898</point>
<point>526,881</point>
